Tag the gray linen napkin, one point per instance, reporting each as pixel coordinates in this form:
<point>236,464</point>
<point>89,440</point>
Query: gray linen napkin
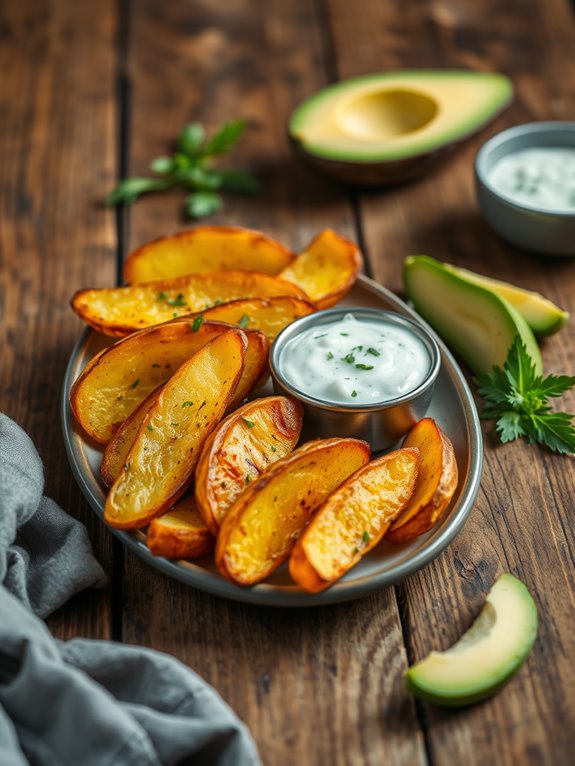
<point>88,703</point>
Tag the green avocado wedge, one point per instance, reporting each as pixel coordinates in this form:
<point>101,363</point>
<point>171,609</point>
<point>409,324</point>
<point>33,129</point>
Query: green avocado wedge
<point>542,315</point>
<point>486,656</point>
<point>477,323</point>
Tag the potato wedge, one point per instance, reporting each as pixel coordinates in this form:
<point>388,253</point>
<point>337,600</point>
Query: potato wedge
<point>436,483</point>
<point>326,270</point>
<point>270,315</point>
<point>354,519</point>
<point>205,248</point>
<point>260,529</point>
<point>116,452</point>
<point>240,449</point>
<point>161,462</point>
<point>119,311</point>
<point>116,381</point>
<point>180,533</point>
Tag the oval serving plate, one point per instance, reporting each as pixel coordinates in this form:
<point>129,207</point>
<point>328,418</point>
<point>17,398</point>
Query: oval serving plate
<point>452,407</point>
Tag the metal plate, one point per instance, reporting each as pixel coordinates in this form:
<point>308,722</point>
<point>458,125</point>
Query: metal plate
<point>452,407</point>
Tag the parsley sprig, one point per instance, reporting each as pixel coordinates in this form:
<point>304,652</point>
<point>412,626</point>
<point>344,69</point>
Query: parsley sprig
<point>191,167</point>
<point>517,398</point>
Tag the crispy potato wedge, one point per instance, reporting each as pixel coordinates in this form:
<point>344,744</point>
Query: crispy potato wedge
<point>119,311</point>
<point>260,529</point>
<point>436,483</point>
<point>326,270</point>
<point>116,381</point>
<point>354,519</point>
<point>270,315</point>
<point>206,248</point>
<point>240,449</point>
<point>161,462</point>
<point>116,452</point>
<point>180,533</point>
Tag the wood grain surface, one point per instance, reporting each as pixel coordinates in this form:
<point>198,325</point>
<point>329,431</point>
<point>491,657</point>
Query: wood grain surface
<point>92,90</point>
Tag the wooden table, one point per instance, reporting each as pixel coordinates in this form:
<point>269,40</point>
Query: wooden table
<point>95,89</point>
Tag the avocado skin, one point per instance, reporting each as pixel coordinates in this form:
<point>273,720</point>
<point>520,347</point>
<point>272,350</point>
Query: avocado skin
<point>451,326</point>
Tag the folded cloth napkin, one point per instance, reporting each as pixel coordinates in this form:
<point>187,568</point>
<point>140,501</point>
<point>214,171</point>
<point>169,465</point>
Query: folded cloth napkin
<point>80,702</point>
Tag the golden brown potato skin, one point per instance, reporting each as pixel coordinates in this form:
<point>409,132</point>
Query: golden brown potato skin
<point>161,462</point>
<point>354,519</point>
<point>326,270</point>
<point>116,381</point>
<point>180,533</point>
<point>260,529</point>
<point>119,311</point>
<point>116,452</point>
<point>270,315</point>
<point>240,449</point>
<point>205,248</point>
<point>436,485</point>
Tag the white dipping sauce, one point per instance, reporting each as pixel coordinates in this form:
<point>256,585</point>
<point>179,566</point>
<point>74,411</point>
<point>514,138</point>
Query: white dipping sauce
<point>538,177</point>
<point>355,361</point>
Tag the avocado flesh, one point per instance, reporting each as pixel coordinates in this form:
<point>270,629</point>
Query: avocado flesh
<point>384,117</point>
<point>486,656</point>
<point>475,322</point>
<point>542,315</point>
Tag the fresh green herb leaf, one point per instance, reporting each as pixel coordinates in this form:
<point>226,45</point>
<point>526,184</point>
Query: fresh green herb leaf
<point>517,399</point>
<point>175,424</point>
<point>365,537</point>
<point>203,203</point>
<point>317,337</point>
<point>354,393</point>
<point>191,167</point>
<point>162,165</point>
<point>349,358</point>
<point>248,423</point>
<point>150,427</point>
<point>225,138</point>
<point>273,448</point>
<point>187,404</point>
<point>364,366</point>
<point>248,479</point>
<point>161,296</point>
<point>128,190</point>
<point>329,355</point>
<point>191,138</point>
<point>373,351</point>
<point>355,550</point>
<point>244,319</point>
<point>179,300</point>
<point>197,323</point>
<point>345,334</point>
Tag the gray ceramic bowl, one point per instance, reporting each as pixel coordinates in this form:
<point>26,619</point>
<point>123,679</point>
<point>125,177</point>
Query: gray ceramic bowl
<point>528,226</point>
<point>381,424</point>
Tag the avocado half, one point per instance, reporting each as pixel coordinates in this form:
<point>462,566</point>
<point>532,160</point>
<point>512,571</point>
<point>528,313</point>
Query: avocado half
<point>476,322</point>
<point>384,128</point>
<point>486,656</point>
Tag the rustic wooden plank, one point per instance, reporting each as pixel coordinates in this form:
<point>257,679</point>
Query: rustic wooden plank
<point>315,686</point>
<point>522,521</point>
<point>57,157</point>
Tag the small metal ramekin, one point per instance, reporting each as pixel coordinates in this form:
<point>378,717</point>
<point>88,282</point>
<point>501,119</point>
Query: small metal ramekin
<point>539,230</point>
<point>381,424</point>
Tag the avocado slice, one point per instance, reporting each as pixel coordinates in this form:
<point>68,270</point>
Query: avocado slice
<point>382,128</point>
<point>486,656</point>
<point>475,322</point>
<point>542,315</point>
